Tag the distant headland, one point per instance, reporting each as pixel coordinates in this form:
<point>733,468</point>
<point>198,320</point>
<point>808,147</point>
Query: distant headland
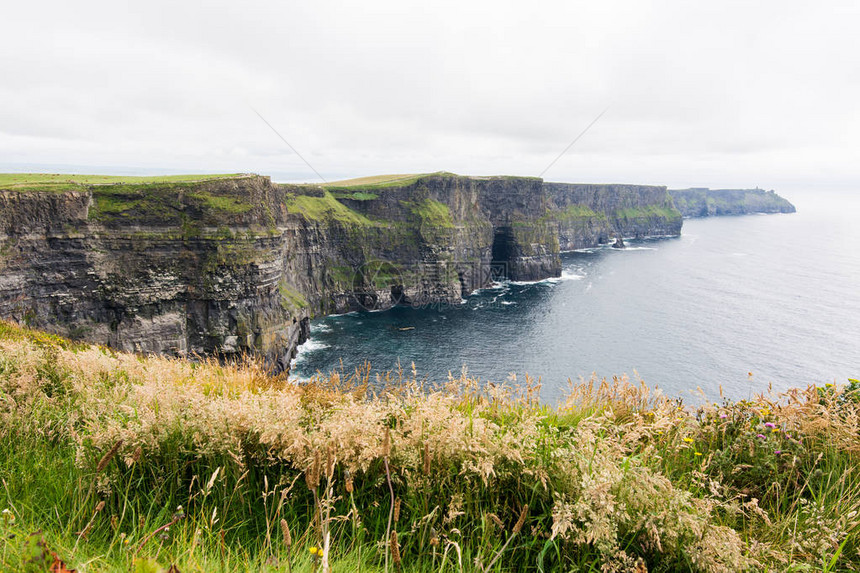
<point>704,202</point>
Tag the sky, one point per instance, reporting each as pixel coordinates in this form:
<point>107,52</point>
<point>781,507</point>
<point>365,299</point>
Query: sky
<point>716,94</point>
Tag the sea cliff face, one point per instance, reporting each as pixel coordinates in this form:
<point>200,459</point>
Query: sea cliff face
<point>591,214</point>
<point>704,202</point>
<point>240,265</point>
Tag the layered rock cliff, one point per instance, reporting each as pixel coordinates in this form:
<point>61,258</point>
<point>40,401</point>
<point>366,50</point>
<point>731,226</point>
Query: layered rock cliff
<point>591,214</point>
<point>240,265</point>
<point>704,202</point>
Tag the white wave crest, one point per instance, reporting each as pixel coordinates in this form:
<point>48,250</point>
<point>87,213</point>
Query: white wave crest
<point>310,345</point>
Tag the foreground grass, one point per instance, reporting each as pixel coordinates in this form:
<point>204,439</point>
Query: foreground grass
<point>118,463</point>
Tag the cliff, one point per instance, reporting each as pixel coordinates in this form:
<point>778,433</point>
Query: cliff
<point>704,202</point>
<point>588,215</point>
<point>239,264</point>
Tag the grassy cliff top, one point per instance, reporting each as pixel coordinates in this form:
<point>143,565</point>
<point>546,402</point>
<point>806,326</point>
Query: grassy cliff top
<point>374,182</point>
<point>66,181</point>
<point>398,179</point>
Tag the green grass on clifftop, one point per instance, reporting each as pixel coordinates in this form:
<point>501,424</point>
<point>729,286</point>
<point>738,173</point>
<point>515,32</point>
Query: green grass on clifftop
<point>65,182</point>
<point>381,182</point>
<point>396,179</point>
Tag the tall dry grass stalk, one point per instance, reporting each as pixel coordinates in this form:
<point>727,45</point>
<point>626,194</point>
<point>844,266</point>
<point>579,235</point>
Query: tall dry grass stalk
<point>288,543</point>
<point>395,551</point>
<point>615,465</point>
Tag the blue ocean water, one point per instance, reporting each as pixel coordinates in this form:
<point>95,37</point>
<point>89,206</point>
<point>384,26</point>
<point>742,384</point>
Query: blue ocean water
<point>777,296</point>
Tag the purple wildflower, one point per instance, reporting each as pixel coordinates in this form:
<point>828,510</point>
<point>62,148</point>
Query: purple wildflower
<point>777,452</point>
<point>760,436</point>
<point>724,415</point>
<point>769,425</point>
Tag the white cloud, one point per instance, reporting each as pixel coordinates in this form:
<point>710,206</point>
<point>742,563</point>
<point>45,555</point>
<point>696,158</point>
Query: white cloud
<point>728,93</point>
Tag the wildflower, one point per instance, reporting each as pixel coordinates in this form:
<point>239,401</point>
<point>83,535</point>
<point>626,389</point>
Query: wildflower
<point>777,452</point>
<point>775,430</point>
<point>698,453</point>
<point>313,550</point>
<point>760,436</point>
<point>723,415</point>
<point>769,425</point>
<point>764,411</point>
<point>689,440</point>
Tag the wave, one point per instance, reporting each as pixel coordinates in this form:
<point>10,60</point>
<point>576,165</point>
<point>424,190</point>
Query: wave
<point>569,275</point>
<point>310,345</point>
<point>566,275</point>
<point>498,285</point>
<point>307,347</point>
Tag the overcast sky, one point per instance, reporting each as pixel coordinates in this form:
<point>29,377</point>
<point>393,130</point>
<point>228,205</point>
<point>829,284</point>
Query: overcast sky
<point>715,94</point>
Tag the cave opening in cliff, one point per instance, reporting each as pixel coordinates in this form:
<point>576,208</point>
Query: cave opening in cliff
<point>398,296</point>
<point>503,252</point>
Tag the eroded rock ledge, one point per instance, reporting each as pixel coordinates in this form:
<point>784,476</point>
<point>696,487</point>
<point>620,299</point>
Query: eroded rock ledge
<point>240,265</point>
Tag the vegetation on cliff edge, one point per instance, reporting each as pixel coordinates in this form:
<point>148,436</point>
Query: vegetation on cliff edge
<point>114,461</point>
<point>68,181</point>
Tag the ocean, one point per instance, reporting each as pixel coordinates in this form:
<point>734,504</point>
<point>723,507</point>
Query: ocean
<point>739,303</point>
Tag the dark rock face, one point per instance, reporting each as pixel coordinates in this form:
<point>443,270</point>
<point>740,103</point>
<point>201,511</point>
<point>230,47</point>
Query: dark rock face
<point>188,279</point>
<point>588,215</point>
<point>240,265</point>
<point>704,202</point>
